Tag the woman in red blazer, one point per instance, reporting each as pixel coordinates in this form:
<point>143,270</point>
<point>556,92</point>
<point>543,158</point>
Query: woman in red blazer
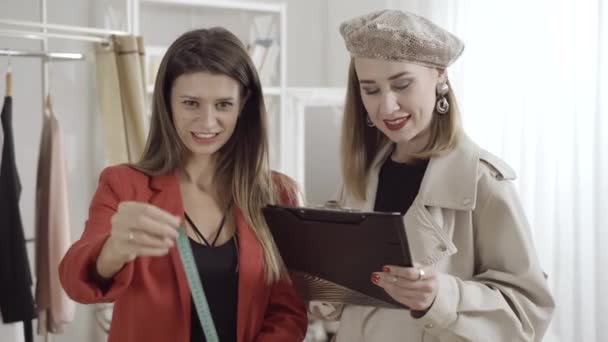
<point>205,167</point>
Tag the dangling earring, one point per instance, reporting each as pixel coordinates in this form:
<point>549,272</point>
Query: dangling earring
<point>369,122</point>
<point>442,106</point>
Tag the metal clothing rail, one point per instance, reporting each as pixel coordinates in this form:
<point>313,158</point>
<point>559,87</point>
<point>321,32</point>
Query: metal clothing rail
<point>45,35</point>
<point>65,28</point>
<point>55,31</point>
<point>55,56</point>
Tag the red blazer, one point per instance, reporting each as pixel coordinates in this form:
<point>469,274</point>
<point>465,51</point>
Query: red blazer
<point>151,294</point>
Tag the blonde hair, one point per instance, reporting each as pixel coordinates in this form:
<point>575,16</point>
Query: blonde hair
<point>242,168</point>
<point>361,143</point>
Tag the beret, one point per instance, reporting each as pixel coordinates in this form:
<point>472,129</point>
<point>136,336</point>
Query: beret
<point>400,36</point>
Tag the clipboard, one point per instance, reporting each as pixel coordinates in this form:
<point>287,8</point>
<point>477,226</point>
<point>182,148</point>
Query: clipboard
<point>330,253</point>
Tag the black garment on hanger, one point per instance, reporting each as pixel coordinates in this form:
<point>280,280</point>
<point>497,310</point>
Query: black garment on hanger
<point>16,299</point>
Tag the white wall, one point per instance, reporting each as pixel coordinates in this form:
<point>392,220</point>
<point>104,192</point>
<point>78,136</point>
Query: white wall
<point>306,42</point>
<point>322,127</point>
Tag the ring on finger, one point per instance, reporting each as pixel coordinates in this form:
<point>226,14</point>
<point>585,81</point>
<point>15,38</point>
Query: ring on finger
<point>394,280</point>
<point>420,274</point>
<point>131,236</point>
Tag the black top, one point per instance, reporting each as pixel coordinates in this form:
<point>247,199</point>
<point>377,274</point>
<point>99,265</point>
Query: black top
<point>218,268</point>
<point>398,185</point>
<point>16,299</point>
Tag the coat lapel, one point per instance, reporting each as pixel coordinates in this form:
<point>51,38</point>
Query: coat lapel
<point>250,273</point>
<point>450,180</point>
<point>427,234</point>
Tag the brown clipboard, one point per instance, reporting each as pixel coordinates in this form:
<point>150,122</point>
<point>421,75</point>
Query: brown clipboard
<point>332,253</point>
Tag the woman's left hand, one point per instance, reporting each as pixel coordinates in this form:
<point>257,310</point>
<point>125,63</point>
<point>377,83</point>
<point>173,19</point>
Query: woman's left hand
<point>413,287</point>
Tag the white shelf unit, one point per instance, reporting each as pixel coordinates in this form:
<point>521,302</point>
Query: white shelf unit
<point>226,13</point>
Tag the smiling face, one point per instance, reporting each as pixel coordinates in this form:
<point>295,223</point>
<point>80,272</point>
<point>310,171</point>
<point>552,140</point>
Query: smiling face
<point>398,97</point>
<point>205,109</point>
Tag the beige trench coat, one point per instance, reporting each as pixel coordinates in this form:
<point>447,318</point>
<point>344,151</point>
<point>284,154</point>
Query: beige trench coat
<point>468,222</point>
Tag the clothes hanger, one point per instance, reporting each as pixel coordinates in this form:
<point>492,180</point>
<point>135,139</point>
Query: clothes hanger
<point>48,108</point>
<point>9,79</point>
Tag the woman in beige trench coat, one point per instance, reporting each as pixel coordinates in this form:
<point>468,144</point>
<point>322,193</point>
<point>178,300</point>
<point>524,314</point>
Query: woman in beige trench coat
<point>477,274</point>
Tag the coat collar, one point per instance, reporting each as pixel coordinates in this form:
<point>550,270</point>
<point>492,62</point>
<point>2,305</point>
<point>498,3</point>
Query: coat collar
<point>450,180</point>
<point>166,182</point>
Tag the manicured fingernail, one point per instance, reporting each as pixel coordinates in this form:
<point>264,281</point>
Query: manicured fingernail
<point>375,278</point>
<point>386,269</point>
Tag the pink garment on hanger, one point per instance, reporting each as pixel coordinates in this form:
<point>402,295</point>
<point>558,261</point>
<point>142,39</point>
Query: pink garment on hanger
<point>55,308</point>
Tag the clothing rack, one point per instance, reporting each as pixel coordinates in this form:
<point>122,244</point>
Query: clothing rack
<point>43,31</point>
<point>55,56</point>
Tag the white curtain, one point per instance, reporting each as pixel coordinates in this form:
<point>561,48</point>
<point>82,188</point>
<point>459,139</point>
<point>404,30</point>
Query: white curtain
<point>533,89</point>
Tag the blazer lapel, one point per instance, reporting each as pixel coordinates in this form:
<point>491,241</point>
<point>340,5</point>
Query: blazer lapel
<point>168,196</point>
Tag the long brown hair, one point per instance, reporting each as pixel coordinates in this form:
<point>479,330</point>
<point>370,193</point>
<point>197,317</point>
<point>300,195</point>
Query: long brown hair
<point>361,143</point>
<point>242,164</point>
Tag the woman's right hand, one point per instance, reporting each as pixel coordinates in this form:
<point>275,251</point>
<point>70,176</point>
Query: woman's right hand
<point>138,229</point>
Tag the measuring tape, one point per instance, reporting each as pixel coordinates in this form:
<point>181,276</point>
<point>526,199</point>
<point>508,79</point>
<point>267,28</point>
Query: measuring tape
<point>196,287</point>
